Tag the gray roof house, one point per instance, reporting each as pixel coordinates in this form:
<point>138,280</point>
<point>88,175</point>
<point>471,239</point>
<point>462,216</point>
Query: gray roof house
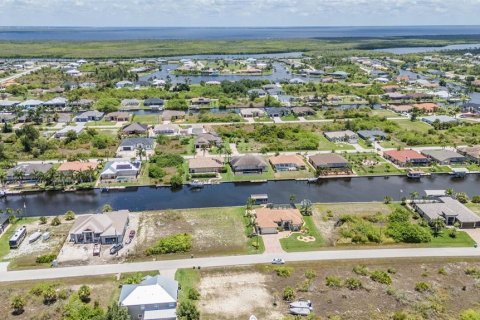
<point>30,103</point>
<point>207,139</point>
<point>341,136</point>
<point>135,128</point>
<point>92,115</point>
<point>167,129</point>
<point>248,164</point>
<point>28,170</point>
<point>450,210</point>
<point>105,228</point>
<point>444,156</point>
<point>155,298</point>
<point>440,118</point>
<point>8,103</point>
<point>78,128</point>
<point>372,135</point>
<point>172,115</point>
<point>275,112</point>
<point>153,102</point>
<point>303,111</point>
<point>58,102</point>
<point>130,144</point>
<point>120,170</point>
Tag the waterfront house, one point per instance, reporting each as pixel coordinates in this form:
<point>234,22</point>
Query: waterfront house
<point>252,112</point>
<point>30,104</point>
<point>322,161</point>
<point>285,162</point>
<point>303,111</point>
<point>339,75</point>
<point>117,116</point>
<point>248,164</point>
<point>406,157</point>
<point>205,165</point>
<point>153,102</point>
<point>105,228</point>
<point>120,170</point>
<point>169,115</point>
<point>444,156</point>
<point>28,171</point>
<point>92,115</point>
<point>270,220</point>
<point>472,153</point>
<point>155,298</point>
<point>276,112</point>
<point>341,136</point>
<point>130,103</point>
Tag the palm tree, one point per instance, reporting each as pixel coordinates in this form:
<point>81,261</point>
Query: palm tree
<point>141,152</point>
<point>228,152</point>
<point>450,192</point>
<point>204,148</point>
<point>18,175</point>
<point>437,225</point>
<point>413,195</point>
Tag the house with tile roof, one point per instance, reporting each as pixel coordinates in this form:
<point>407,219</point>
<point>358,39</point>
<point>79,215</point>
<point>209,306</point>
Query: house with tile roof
<point>104,228</point>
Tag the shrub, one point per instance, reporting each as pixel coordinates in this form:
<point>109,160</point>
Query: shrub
<point>310,274</point>
<point>135,278</point>
<point>46,258</point>
<point>69,215</point>
<point>62,294</point>
<point>193,294</point>
<point>107,208</point>
<point>18,304</point>
<point>49,295</point>
<point>288,294</point>
<point>452,233</point>
<point>305,286</point>
<point>472,271</point>
<point>176,181</point>
<point>84,293</point>
<point>284,272</point>
<point>43,220</point>
<point>188,310</point>
<point>422,286</point>
<point>361,270</point>
<point>476,199</point>
<point>333,281</point>
<point>156,172</point>
<point>56,222</point>
<point>470,314</point>
<point>353,284</point>
<point>381,277</point>
<point>392,270</point>
<point>442,271</point>
<point>462,197</point>
<point>408,232</point>
<point>181,242</point>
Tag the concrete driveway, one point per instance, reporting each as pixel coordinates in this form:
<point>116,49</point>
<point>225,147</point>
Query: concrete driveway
<point>474,234</point>
<point>272,242</point>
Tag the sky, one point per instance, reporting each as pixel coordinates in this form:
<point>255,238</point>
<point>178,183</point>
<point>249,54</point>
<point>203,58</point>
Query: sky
<point>238,13</point>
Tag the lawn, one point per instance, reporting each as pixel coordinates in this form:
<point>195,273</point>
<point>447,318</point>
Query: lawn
<point>384,113</point>
<point>187,279</point>
<point>101,123</point>
<point>229,176</point>
<point>263,119</point>
<point>365,164</point>
<point>298,174</point>
<point>147,118</point>
<point>292,244</point>
<point>444,240</point>
<point>409,125</point>
<point>289,117</point>
<point>475,207</point>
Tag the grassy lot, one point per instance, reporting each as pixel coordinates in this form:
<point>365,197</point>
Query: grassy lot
<point>300,174</point>
<point>5,237</point>
<point>147,118</point>
<point>365,164</point>
<point>229,176</point>
<point>187,279</point>
<point>101,123</point>
<point>263,119</point>
<point>444,240</point>
<point>384,113</point>
<point>215,231</point>
<point>408,125</point>
<point>290,117</point>
<point>292,244</point>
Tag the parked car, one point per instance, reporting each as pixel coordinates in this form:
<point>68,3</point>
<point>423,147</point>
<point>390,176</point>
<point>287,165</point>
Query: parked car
<point>278,261</point>
<point>116,247</point>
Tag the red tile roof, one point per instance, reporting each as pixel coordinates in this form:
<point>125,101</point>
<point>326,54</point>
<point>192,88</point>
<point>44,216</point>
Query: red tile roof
<point>77,166</point>
<point>404,155</point>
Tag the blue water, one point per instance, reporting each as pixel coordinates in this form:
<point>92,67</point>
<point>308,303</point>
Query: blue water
<point>143,33</point>
<point>408,50</point>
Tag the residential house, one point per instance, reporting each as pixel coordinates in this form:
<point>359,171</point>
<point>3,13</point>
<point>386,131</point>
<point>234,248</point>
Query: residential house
<point>303,111</point>
<point>402,108</point>
<point>285,162</point>
<point>135,128</point>
<point>117,116</point>
<point>124,84</point>
<point>58,102</point>
<point>205,165</point>
<point>8,103</point>
<point>166,129</point>
<point>7,117</point>
<point>155,298</point>
<point>439,119</point>
<point>276,112</point>
<point>248,164</point>
<point>406,157</point>
<point>71,167</point>
<point>256,92</point>
<point>341,136</point>
<point>426,107</point>
<point>252,112</point>
<point>207,139</point>
<point>372,135</point>
<point>270,220</point>
<point>30,104</point>
<point>339,75</point>
<point>82,104</point>
<point>120,170</point>
<point>62,133</point>
<point>130,103</point>
<point>4,221</point>
<point>154,102</point>
<point>105,228</point>
<point>28,171</point>
<point>472,153</point>
<point>92,115</point>
<point>200,102</point>
<point>132,144</point>
<point>169,115</point>
<point>322,161</point>
<point>444,156</point>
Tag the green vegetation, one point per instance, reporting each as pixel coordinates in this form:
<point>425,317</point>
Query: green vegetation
<point>292,243</point>
<point>381,277</point>
<point>171,244</point>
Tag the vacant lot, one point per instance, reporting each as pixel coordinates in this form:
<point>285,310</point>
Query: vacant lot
<point>215,231</point>
<point>421,289</point>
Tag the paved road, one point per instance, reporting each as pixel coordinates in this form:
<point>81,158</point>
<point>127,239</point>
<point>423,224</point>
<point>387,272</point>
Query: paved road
<point>21,74</point>
<point>235,261</point>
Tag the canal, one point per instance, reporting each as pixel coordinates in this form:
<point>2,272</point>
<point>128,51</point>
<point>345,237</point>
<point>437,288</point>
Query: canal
<point>359,189</point>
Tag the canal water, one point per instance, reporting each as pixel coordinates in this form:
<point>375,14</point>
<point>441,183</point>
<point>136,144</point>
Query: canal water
<point>360,189</point>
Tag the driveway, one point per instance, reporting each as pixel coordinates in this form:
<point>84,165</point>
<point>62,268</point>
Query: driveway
<point>272,242</point>
<point>474,234</point>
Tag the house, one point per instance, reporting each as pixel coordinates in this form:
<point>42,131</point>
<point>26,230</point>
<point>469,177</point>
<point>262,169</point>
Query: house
<point>402,108</point>
<point>124,84</point>
<point>328,161</point>
<point>444,156</point>
<point>270,220</point>
<point>105,228</point>
<point>62,133</point>
<point>207,139</point>
<point>8,103</point>
<point>252,112</point>
<point>205,165</point>
<point>153,298</point>
<point>6,117</point>
<point>472,153</point>
<point>341,136</point>
<point>439,119</point>
<point>153,102</point>
<point>28,170</point>
<point>287,162</point>
<point>426,107</point>
<point>450,210</point>
<point>117,116</point>
<point>120,170</point>
<point>77,166</point>
<point>339,75</point>
<point>30,104</point>
<point>303,111</point>
<point>276,112</point>
<point>130,103</point>
<point>256,93</point>
<point>92,115</point>
<point>135,128</point>
<point>406,157</point>
<point>248,164</point>
<point>468,107</point>
<point>167,129</point>
<point>58,102</point>
<point>82,103</point>
<point>131,144</point>
<point>372,135</point>
<point>169,115</point>
<point>200,101</point>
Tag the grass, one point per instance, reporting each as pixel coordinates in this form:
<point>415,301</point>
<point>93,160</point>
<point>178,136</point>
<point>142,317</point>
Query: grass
<point>147,118</point>
<point>187,279</point>
<point>101,123</point>
<point>444,240</point>
<point>384,113</point>
<point>406,124</point>
<point>289,117</point>
<point>292,244</point>
<point>263,119</point>
<point>475,207</point>
<point>379,165</point>
<point>324,145</point>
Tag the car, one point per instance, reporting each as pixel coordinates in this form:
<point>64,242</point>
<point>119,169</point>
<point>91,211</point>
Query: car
<point>278,261</point>
<point>132,234</point>
<point>116,247</point>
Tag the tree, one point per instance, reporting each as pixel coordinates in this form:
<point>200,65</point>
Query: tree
<point>3,176</point>
<point>414,195</point>
<point>176,181</point>
<point>18,304</point>
<point>69,215</point>
<point>462,197</point>
<point>18,175</point>
<point>43,220</point>
<point>84,293</point>
<point>141,152</point>
<point>204,148</point>
<point>387,199</point>
<point>107,208</point>
<point>450,192</point>
<point>188,311</point>
<point>437,225</point>
<point>71,136</point>
<point>55,221</point>
<point>306,207</point>
<point>115,312</point>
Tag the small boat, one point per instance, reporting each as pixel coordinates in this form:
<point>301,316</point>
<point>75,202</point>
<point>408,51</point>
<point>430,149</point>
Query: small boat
<point>196,184</point>
<point>45,236</point>
<point>414,174</point>
<point>300,311</point>
<point>312,180</point>
<point>105,189</point>
<point>34,236</point>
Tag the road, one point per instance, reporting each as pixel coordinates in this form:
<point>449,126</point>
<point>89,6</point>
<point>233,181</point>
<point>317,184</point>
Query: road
<point>21,74</point>
<point>95,270</point>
